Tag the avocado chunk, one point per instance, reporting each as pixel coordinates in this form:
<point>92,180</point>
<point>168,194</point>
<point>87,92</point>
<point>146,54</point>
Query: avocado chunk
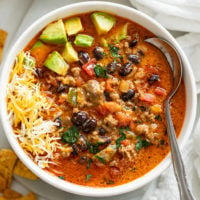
<point>69,53</point>
<point>56,63</point>
<point>73,25</point>
<point>103,22</point>
<point>122,32</point>
<point>83,40</point>
<point>54,33</point>
<point>37,44</point>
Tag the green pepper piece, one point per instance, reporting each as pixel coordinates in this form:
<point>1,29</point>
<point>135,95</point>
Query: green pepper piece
<point>72,96</point>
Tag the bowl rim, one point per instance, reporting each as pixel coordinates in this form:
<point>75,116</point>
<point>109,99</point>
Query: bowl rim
<point>71,187</point>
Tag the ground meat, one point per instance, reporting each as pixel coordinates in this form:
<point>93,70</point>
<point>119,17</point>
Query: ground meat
<point>140,73</point>
<point>94,92</point>
<point>128,151</point>
<point>110,121</point>
<point>76,71</point>
<point>67,80</point>
<point>142,129</point>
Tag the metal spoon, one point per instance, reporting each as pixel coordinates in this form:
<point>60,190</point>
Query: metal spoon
<point>175,63</point>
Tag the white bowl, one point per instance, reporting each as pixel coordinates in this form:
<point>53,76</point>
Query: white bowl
<point>119,10</point>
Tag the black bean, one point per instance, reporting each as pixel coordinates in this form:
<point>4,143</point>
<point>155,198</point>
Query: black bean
<point>111,67</point>
<point>89,125</point>
<point>79,118</point>
<point>39,72</point>
<point>140,52</point>
<point>82,160</point>
<point>125,69</point>
<point>83,57</point>
<point>128,95</point>
<point>153,78</point>
<point>133,43</point>
<point>75,149</point>
<point>107,96</point>
<point>102,131</point>
<point>61,88</point>
<point>98,53</point>
<point>134,58</point>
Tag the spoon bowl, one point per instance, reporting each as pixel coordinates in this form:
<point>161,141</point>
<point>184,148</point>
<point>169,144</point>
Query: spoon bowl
<point>175,64</point>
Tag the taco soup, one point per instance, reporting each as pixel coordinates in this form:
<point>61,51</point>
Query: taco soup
<point>85,100</point>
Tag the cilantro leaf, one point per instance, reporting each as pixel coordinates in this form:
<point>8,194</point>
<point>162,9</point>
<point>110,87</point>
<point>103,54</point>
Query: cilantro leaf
<point>88,176</point>
<point>114,51</point>
<point>141,143</point>
<point>71,135</point>
<point>123,136</point>
<point>100,71</point>
<point>100,159</point>
<point>89,163</point>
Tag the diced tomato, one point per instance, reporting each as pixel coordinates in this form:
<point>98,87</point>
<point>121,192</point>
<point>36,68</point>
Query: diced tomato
<point>89,67</point>
<point>109,85</point>
<point>160,91</point>
<point>123,119</point>
<point>147,97</point>
<point>125,142</point>
<point>101,109</point>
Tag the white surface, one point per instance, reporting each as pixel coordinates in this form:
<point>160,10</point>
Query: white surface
<point>151,191</point>
<point>126,12</point>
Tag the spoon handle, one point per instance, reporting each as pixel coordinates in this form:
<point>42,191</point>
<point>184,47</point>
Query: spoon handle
<point>185,193</point>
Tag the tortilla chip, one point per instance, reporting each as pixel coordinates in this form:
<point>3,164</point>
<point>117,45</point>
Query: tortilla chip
<point>21,170</point>
<point>29,196</point>
<point>7,162</point>
<point>11,194</point>
<point>3,183</point>
<point>3,36</point>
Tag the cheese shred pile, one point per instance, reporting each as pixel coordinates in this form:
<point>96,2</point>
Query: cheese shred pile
<point>27,107</point>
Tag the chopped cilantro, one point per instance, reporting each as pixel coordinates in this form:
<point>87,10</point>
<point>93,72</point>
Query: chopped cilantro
<point>114,51</point>
<point>89,163</point>
<point>123,136</point>
<point>134,108</point>
<point>61,177</point>
<point>158,117</point>
<point>100,159</point>
<point>94,148</point>
<point>100,71</point>
<point>88,176</point>
<point>71,135</point>
<point>138,121</point>
<point>143,108</point>
<point>141,143</point>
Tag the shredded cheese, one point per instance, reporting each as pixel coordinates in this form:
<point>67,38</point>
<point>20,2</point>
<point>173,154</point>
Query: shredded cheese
<point>27,105</point>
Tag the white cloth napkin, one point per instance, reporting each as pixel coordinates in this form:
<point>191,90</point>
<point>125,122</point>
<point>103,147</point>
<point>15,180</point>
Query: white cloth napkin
<point>178,15</point>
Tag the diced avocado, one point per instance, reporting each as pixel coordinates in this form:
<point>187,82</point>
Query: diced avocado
<point>56,63</point>
<point>122,32</point>
<point>54,33</point>
<point>69,53</point>
<point>73,25</point>
<point>37,44</point>
<point>83,40</point>
<point>103,22</point>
